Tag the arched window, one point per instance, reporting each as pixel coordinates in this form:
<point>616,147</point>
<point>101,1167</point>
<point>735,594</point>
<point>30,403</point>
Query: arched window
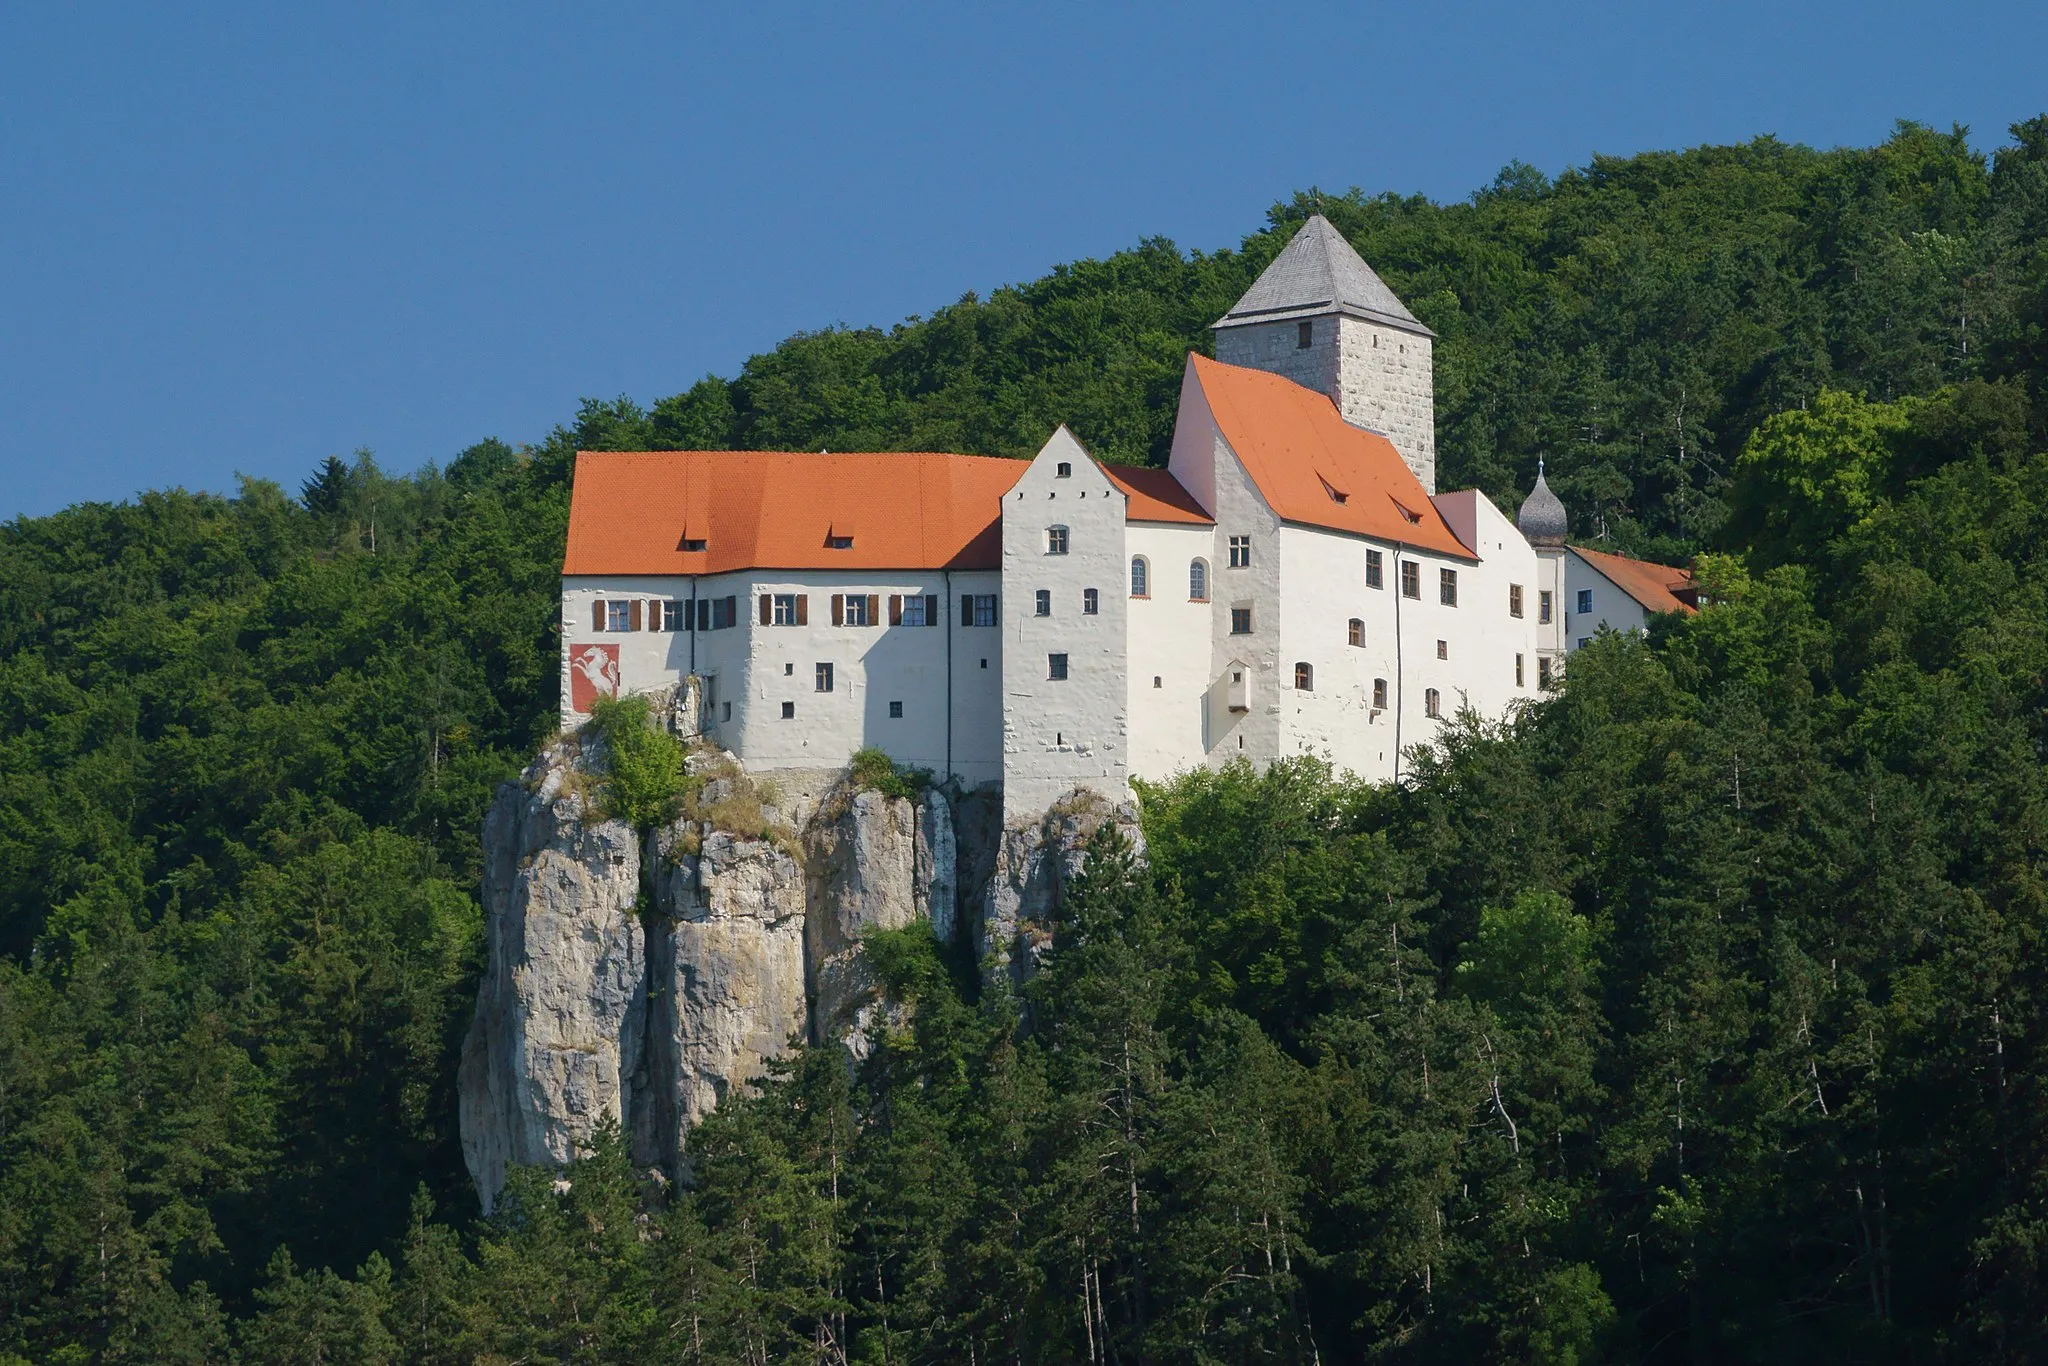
<point>1304,677</point>
<point>1141,577</point>
<point>1055,540</point>
<point>1357,632</point>
<point>1198,580</point>
<point>1432,703</point>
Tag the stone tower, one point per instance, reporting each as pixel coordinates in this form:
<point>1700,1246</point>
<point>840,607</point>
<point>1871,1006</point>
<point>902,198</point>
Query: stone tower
<point>1319,316</point>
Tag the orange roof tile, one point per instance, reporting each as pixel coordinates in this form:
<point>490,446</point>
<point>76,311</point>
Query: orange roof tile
<point>1155,496</point>
<point>631,512</point>
<point>1314,467</point>
<point>1652,585</point>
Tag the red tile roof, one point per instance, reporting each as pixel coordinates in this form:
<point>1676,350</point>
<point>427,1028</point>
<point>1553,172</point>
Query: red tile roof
<point>630,512</point>
<point>1652,585</point>
<point>1155,496</point>
<point>1314,467</point>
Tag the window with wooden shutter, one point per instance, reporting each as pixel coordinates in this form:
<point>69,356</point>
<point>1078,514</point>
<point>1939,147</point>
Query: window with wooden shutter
<point>838,609</point>
<point>803,609</point>
<point>633,615</point>
<point>703,614</point>
<point>895,609</point>
<point>874,609</point>
<point>767,610</point>
<point>931,609</point>
<point>967,609</point>
<point>597,615</point>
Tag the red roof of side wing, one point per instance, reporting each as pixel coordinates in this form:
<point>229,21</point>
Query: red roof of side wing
<point>633,512</point>
<point>1315,468</point>
<point>1654,586</point>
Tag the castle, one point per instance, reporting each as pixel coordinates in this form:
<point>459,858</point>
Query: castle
<point>1290,583</point>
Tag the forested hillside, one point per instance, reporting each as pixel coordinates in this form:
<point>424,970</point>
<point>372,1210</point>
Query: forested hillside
<point>1696,1014</point>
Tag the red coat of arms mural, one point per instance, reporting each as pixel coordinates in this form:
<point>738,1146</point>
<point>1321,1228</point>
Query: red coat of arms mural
<point>593,673</point>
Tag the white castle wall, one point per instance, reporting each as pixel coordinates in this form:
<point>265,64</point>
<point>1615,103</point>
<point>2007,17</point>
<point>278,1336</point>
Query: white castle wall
<point>751,669</point>
<point>1169,650</point>
<point>1059,734</point>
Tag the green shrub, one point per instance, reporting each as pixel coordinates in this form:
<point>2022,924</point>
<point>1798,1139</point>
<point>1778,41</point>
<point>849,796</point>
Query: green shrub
<point>643,782</point>
<point>871,768</point>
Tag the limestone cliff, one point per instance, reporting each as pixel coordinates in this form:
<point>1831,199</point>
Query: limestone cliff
<point>644,979</point>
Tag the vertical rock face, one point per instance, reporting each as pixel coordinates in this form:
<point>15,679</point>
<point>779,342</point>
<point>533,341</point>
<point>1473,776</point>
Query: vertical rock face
<point>560,1016</point>
<point>726,972</point>
<point>645,980</point>
<point>1034,861</point>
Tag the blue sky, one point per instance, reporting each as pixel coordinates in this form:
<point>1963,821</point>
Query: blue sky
<point>241,238</point>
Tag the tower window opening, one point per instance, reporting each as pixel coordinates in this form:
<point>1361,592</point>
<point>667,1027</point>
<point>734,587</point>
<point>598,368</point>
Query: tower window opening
<point>1304,335</point>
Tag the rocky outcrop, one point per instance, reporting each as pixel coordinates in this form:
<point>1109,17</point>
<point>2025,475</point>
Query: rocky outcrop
<point>644,979</point>
<point>1033,864</point>
<point>561,1016</point>
<point>725,964</point>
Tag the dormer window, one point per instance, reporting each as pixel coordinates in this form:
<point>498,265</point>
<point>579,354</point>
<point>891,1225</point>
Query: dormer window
<point>1337,495</point>
<point>693,542</point>
<point>1064,470</point>
<point>839,542</point>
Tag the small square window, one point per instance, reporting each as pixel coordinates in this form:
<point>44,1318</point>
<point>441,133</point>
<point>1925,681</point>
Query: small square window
<point>1584,641</point>
<point>788,670</point>
<point>788,711</point>
<point>895,711</point>
<point>1240,621</point>
<point>824,678</point>
<point>1065,471</point>
<point>1056,667</point>
<point>1443,649</point>
<point>1156,682</point>
<point>1043,600</point>
<point>1091,602</point>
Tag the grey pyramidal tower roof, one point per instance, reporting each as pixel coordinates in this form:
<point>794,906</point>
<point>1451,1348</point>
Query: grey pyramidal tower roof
<point>1319,273</point>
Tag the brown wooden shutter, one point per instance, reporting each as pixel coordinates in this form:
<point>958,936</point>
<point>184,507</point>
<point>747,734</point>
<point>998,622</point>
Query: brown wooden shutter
<point>839,609</point>
<point>803,609</point>
<point>633,615</point>
<point>895,609</point>
<point>931,609</point>
<point>967,609</point>
<point>597,615</point>
<point>767,610</point>
<point>874,609</point>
